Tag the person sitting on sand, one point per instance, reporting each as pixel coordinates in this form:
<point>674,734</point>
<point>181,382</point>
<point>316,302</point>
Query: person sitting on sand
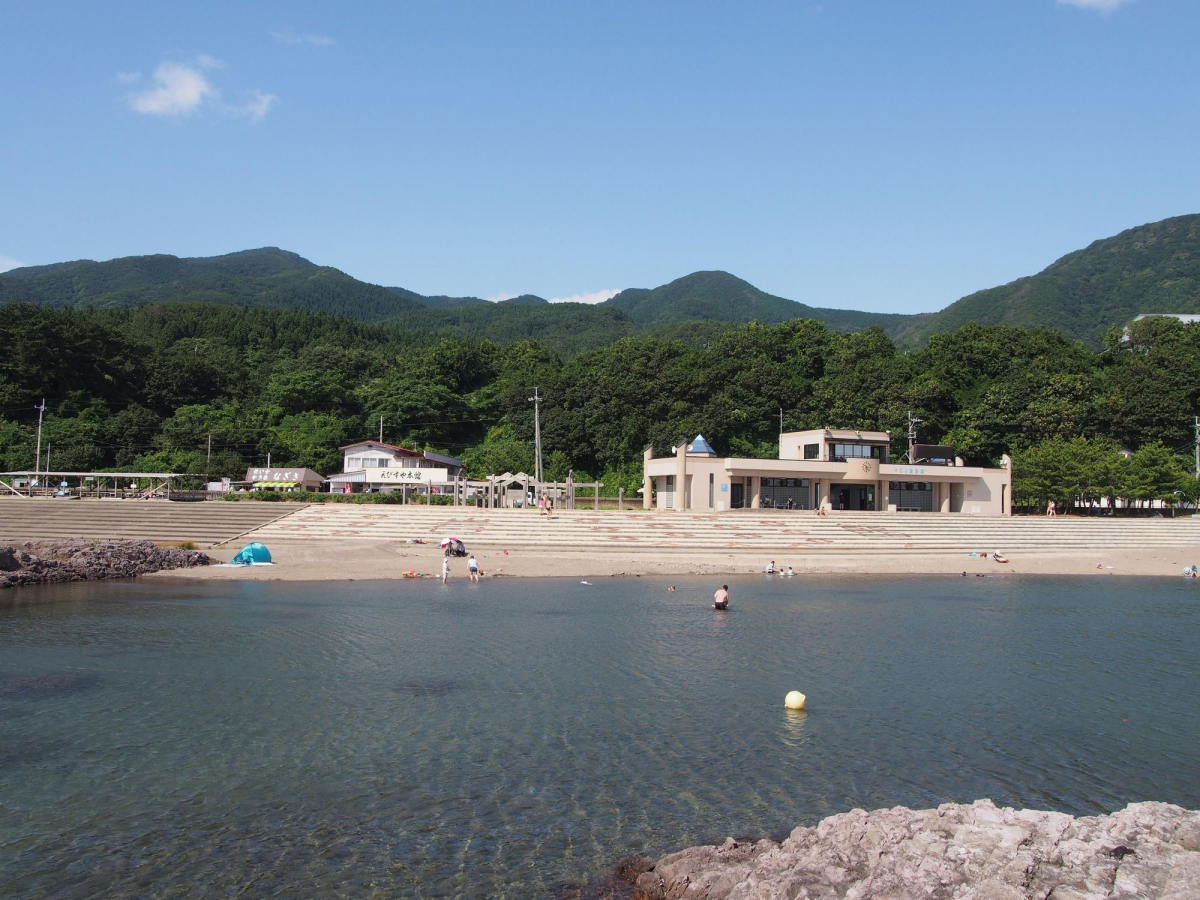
<point>770,569</point>
<point>721,598</point>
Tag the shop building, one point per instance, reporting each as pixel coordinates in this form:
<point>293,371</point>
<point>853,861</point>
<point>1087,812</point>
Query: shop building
<point>376,466</point>
<point>270,479</point>
<point>837,469</point>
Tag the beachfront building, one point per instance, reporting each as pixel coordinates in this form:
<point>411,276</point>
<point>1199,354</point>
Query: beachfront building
<point>376,466</point>
<point>837,469</point>
<point>272,479</point>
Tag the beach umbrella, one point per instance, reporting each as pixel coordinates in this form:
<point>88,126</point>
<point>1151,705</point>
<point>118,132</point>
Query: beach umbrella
<point>446,542</point>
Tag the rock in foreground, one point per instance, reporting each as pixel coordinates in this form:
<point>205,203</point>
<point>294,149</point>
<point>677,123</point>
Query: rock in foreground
<point>954,852</point>
<point>50,562</point>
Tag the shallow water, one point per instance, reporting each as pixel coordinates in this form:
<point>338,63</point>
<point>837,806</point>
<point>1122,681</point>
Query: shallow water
<point>402,739</point>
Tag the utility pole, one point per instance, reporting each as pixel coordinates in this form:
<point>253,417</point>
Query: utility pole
<point>48,445</point>
<point>208,460</point>
<point>381,429</point>
<point>268,463</point>
<point>1198,446</point>
<point>38,463</point>
<point>537,436</point>
<point>781,421</point>
<point>913,422</point>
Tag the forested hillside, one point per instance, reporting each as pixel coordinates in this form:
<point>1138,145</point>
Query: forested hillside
<point>145,387</point>
<point>721,297</point>
<point>1154,268</point>
<point>1151,269</point>
<point>268,277</point>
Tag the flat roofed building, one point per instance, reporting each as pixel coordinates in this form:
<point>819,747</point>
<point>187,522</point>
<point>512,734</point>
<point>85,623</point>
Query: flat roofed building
<point>375,465</point>
<point>838,469</point>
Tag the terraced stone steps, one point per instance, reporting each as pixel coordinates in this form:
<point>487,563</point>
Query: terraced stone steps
<point>206,523</point>
<point>755,531</point>
<point>609,532</point>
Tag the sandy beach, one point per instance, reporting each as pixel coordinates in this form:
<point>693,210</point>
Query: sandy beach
<point>358,560</point>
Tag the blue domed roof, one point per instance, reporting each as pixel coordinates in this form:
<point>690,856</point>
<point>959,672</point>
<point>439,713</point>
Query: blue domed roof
<point>700,445</point>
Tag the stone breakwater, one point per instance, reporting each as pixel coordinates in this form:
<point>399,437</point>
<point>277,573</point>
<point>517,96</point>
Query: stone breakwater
<point>954,852</point>
<point>50,562</point>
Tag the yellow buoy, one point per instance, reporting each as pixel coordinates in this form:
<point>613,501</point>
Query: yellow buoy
<point>794,700</point>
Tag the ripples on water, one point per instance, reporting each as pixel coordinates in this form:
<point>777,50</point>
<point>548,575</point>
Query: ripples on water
<point>498,740</point>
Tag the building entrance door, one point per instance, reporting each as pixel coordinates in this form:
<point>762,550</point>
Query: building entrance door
<point>737,495</point>
<point>854,496</point>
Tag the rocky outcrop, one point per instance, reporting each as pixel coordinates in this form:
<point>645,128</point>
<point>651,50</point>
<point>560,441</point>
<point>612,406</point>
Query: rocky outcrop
<point>50,562</point>
<point>954,852</point>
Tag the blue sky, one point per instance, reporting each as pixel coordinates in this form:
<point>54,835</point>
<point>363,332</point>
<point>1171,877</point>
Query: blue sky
<point>887,155</point>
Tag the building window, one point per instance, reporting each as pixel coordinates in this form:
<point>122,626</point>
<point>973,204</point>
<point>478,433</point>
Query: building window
<point>784,493</point>
<point>812,451</point>
<point>911,496</point>
<point>843,452</point>
<point>711,489</point>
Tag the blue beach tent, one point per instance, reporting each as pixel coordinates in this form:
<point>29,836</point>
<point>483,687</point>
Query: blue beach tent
<point>251,554</point>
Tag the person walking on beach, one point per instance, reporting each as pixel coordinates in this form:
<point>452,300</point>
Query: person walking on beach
<point>721,598</point>
<point>473,568</point>
<point>542,505</point>
<point>445,568</point>
<point>1052,509</point>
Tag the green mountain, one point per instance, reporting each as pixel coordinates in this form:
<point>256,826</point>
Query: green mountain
<point>721,297</point>
<point>267,277</point>
<point>1154,268</point>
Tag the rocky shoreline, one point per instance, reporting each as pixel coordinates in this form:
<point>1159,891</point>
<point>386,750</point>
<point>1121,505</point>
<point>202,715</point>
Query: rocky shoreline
<point>52,562</point>
<point>972,851</point>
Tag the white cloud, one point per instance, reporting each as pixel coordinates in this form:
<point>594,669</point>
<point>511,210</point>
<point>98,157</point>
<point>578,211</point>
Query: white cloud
<point>7,262</point>
<point>288,36</point>
<point>593,297</point>
<point>1104,6</point>
<point>496,298</point>
<point>179,90</point>
<point>256,107</point>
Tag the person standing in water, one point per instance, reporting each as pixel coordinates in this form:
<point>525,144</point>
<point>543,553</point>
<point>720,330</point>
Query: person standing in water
<point>721,598</point>
<point>473,568</point>
<point>445,568</point>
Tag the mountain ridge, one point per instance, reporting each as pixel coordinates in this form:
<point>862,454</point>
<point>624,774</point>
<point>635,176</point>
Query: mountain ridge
<point>1151,268</point>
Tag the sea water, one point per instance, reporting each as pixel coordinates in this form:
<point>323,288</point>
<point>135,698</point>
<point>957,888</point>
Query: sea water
<point>512,738</point>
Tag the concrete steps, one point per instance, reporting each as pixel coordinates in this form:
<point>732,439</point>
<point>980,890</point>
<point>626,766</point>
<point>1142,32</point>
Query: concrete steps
<point>205,523</point>
<point>610,533</point>
<point>749,531</point>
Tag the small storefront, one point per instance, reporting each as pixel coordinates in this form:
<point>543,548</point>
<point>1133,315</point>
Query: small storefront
<point>264,479</point>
